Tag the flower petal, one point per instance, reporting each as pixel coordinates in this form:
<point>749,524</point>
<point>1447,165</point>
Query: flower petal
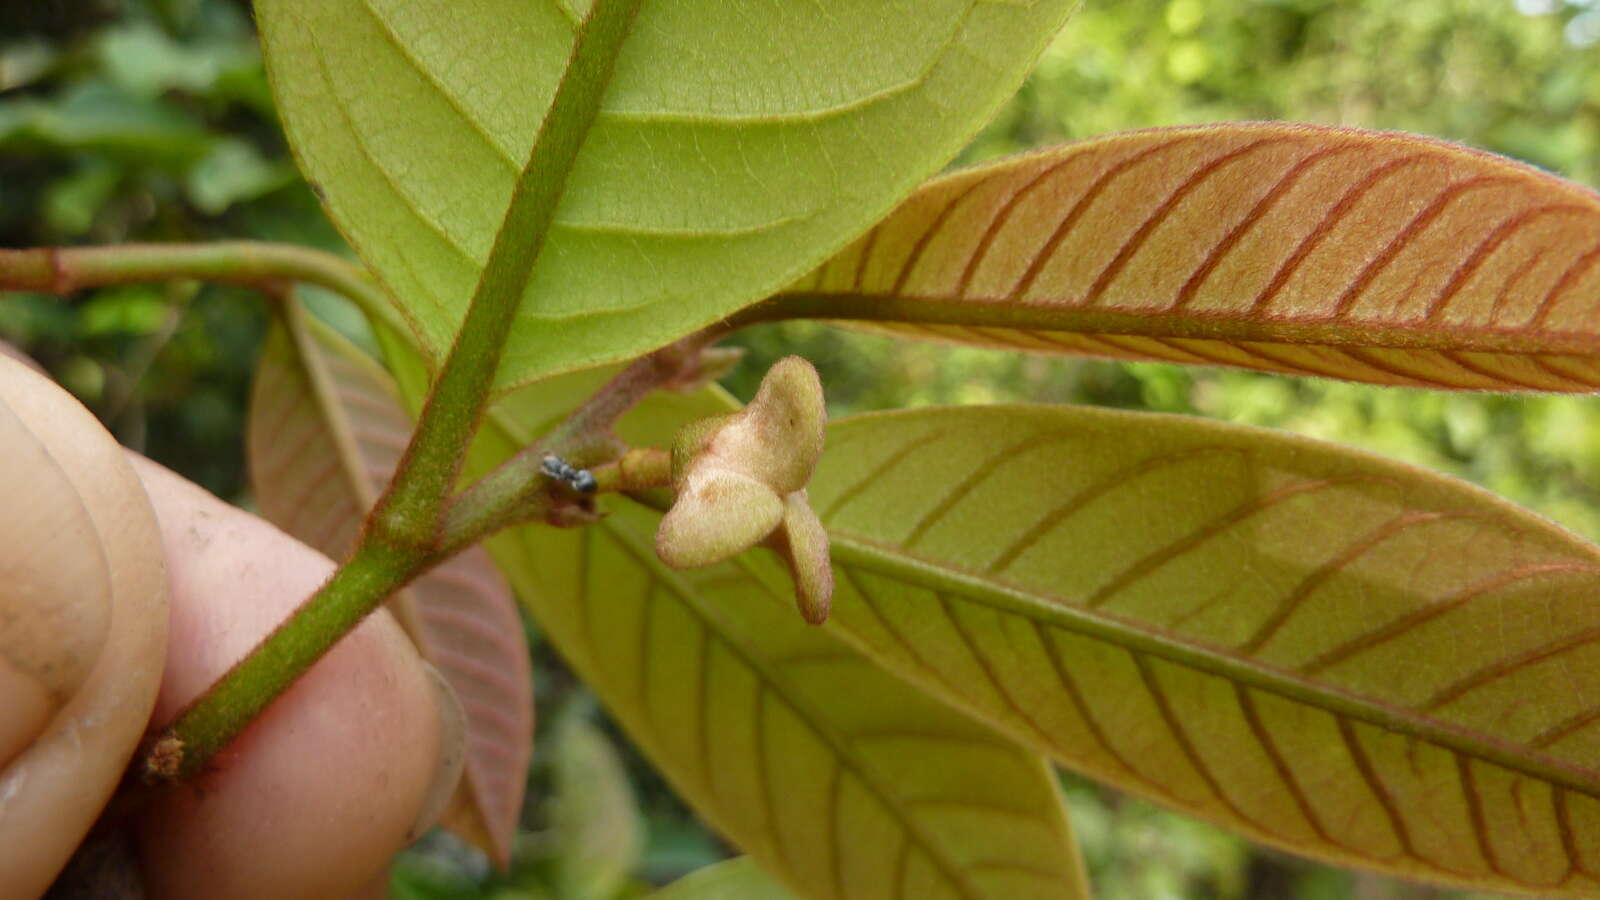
<point>802,541</point>
<point>718,513</point>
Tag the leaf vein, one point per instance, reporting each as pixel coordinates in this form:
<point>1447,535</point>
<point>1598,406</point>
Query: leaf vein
<point>1297,792</point>
<point>1502,668</point>
<point>1475,821</point>
<point>968,484</point>
<point>1423,614</point>
<point>1314,579</point>
<point>1570,277</point>
<point>926,238</point>
<point>1380,791</point>
<point>1080,207</point>
<point>1251,219</point>
<point>1001,217</point>
<point>1486,248</point>
<point>1326,225</point>
<point>455,103</point>
<point>1417,226</point>
<point>405,199</point>
<point>1164,210</point>
<point>1244,511</point>
<point>1074,693</point>
<point>987,666</point>
<point>1061,513</point>
<point>1185,741</point>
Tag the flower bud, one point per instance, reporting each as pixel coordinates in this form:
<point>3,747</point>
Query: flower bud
<point>718,514</point>
<point>740,480</point>
<point>802,541</point>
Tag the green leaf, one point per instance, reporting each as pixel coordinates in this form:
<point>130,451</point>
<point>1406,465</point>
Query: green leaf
<point>327,427</point>
<point>131,309</point>
<point>232,172</point>
<point>99,119</point>
<point>144,61</point>
<point>1334,653</point>
<point>72,201</point>
<point>24,61</point>
<point>598,832</point>
<point>835,775</point>
<point>737,144</point>
<point>1385,258</point>
<point>735,879</point>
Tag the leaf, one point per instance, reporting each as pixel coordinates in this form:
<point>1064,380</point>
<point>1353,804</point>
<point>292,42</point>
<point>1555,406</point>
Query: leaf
<point>234,172</point>
<point>598,832</point>
<point>737,144</point>
<point>98,119</point>
<point>833,774</point>
<point>1375,257</point>
<point>734,879</point>
<point>326,430</point>
<point>1333,653</point>
<point>83,624</point>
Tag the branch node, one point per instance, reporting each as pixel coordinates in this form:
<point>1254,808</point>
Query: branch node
<point>164,762</point>
<point>61,282</point>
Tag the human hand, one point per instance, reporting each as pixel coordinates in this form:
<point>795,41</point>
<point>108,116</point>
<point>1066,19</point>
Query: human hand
<point>349,765</point>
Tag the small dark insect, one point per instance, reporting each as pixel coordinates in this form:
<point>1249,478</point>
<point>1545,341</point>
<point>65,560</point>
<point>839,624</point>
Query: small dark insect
<point>580,480</point>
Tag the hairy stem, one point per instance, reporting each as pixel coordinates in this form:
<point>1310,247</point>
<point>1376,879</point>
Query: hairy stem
<point>378,569</point>
<point>374,571</point>
<point>412,509</point>
<point>63,270</point>
<point>640,469</point>
<point>518,489</point>
<point>402,538</point>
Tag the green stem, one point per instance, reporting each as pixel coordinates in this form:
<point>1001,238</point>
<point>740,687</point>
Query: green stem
<point>375,571</point>
<point>403,534</point>
<point>640,469</point>
<point>412,510</point>
<point>378,569</point>
<point>517,490</point>
<point>63,270</point>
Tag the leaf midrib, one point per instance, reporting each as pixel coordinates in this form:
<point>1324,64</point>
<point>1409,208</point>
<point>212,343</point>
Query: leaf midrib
<point>1329,331</point>
<point>1010,599</point>
<point>353,465</point>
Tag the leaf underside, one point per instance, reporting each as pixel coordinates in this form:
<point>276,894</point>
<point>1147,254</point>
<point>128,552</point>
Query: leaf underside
<point>1334,653</point>
<point>327,428</point>
<point>1367,256</point>
<point>738,144</point>
<point>838,777</point>
<point>833,773</point>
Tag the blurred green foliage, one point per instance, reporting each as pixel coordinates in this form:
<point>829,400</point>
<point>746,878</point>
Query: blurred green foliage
<point>146,121</point>
<point>150,120</point>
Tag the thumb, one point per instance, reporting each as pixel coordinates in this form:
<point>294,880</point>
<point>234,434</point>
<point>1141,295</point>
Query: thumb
<point>83,624</point>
